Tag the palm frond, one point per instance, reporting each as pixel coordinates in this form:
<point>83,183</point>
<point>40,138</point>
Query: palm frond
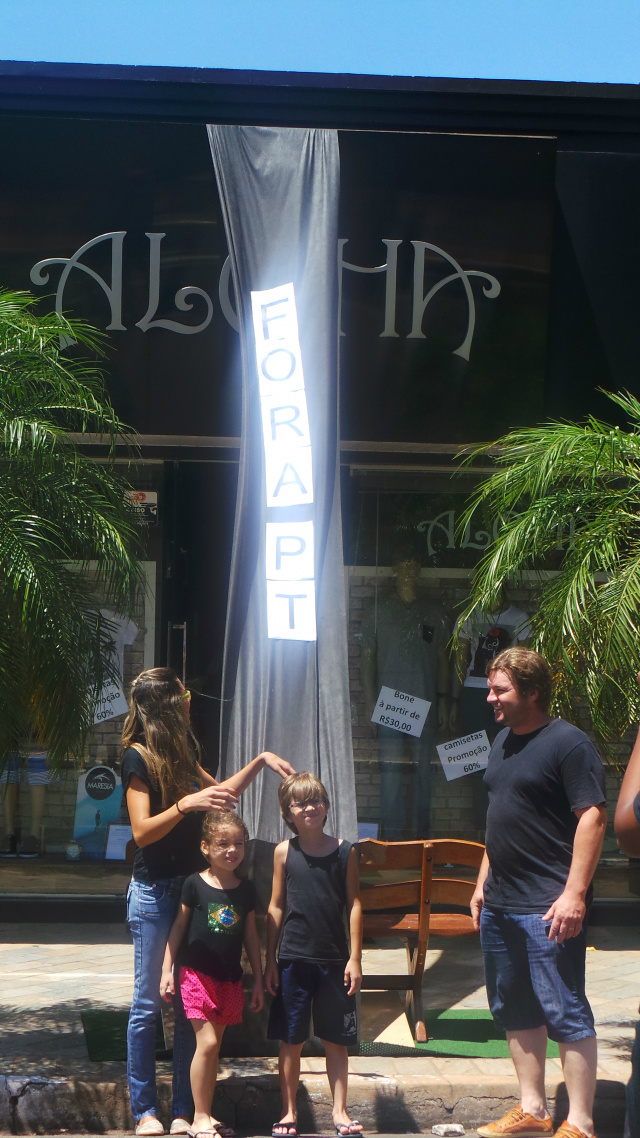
<point>568,500</point>
<point>59,512</point>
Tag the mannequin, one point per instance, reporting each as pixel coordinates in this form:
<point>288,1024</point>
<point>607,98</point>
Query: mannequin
<point>481,638</point>
<point>404,641</point>
<point>38,777</point>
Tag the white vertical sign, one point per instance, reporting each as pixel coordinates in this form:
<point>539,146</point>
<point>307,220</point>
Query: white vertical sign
<point>289,559</point>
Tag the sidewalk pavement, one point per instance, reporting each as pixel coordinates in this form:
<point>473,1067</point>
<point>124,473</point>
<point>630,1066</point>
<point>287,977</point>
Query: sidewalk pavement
<point>50,973</point>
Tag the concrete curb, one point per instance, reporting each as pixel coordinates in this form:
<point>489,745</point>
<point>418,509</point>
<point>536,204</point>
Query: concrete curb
<point>251,1102</point>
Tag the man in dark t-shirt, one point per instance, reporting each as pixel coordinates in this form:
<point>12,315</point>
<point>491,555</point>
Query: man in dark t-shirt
<point>545,827</point>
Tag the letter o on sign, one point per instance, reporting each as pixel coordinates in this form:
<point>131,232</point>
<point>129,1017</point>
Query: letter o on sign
<point>279,364</point>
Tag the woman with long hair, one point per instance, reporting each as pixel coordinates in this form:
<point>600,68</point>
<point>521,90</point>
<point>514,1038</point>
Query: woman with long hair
<point>167,791</point>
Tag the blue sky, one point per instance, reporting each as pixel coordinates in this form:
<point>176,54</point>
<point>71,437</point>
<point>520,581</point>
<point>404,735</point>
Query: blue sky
<point>574,40</point>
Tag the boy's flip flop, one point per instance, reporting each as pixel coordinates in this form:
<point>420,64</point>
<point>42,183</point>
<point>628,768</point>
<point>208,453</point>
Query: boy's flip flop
<point>284,1130</point>
<point>349,1129</point>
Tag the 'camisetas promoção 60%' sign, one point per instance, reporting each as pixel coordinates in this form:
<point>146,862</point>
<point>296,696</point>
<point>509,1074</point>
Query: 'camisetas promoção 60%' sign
<point>464,756</point>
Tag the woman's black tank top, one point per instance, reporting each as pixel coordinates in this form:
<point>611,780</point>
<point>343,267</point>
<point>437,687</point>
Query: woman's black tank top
<point>314,926</point>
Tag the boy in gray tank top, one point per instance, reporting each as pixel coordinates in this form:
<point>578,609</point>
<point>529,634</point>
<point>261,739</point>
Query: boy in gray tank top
<point>315,893</point>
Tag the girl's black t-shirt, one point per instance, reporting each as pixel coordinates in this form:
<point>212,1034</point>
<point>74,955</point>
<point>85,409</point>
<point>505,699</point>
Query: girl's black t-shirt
<point>314,926</point>
<point>178,853</point>
<point>213,944</point>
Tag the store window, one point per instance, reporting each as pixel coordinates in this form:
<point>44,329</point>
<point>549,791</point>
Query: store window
<point>66,833</point>
<point>409,563</point>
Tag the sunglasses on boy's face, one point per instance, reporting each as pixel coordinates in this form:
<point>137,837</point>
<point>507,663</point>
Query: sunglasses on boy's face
<point>315,803</point>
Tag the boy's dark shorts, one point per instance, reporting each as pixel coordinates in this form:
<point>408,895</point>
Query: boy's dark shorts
<point>306,986</point>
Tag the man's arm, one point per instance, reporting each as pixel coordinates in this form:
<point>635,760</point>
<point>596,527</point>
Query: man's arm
<point>477,901</point>
<point>568,912</point>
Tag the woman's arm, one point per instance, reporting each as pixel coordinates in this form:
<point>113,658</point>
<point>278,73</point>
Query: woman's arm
<point>205,778</point>
<point>240,781</point>
<point>275,917</point>
<point>148,828</point>
<point>353,970</point>
<point>176,936</point>
<point>252,946</point>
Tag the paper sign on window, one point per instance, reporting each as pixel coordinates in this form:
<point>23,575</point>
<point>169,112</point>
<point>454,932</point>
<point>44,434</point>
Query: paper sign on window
<point>464,756</point>
<point>400,711</point>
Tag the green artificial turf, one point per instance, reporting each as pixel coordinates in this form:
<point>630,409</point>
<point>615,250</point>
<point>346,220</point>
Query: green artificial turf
<point>467,1032</point>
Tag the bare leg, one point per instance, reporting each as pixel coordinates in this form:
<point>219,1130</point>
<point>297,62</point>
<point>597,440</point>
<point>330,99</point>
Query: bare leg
<point>289,1071</point>
<point>204,1070</point>
<point>338,1075</point>
<point>36,795</point>
<point>528,1051</point>
<point>579,1062</point>
<point>10,796</point>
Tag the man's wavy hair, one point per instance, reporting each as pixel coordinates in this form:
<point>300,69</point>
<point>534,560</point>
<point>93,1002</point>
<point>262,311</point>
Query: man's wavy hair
<point>157,727</point>
<point>528,671</point>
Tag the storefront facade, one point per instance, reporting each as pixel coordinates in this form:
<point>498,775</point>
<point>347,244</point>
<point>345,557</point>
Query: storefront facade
<point>487,261</point>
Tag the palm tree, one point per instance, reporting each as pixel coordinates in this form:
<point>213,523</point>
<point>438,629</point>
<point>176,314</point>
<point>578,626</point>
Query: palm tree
<point>567,497</point>
<point>59,512</point>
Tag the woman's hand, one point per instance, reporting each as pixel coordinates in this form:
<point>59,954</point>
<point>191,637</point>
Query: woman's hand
<point>209,798</point>
<point>275,763</point>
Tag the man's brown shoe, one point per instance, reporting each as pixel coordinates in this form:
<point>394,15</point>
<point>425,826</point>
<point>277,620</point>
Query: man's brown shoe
<point>568,1130</point>
<point>518,1123</point>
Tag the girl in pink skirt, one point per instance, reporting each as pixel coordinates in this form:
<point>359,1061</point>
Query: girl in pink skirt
<point>216,917</point>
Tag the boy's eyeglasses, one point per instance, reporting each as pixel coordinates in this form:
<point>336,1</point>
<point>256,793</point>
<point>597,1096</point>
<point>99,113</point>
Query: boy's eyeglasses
<point>186,695</point>
<point>316,803</point>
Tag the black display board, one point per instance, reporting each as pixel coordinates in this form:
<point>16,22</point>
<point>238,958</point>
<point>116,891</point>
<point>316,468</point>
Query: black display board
<point>476,209</point>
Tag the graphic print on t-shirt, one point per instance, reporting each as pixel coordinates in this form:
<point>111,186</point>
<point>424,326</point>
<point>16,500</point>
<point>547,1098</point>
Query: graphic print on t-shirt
<point>222,918</point>
<point>490,643</point>
<point>489,635</point>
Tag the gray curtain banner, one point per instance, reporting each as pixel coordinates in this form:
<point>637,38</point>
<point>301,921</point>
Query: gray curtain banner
<point>279,190</point>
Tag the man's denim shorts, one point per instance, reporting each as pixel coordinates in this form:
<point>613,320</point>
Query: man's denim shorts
<point>532,981</point>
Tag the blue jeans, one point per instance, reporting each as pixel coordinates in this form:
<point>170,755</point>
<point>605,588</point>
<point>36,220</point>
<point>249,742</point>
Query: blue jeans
<point>533,981</point>
<point>151,911</point>
<point>399,820</point>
